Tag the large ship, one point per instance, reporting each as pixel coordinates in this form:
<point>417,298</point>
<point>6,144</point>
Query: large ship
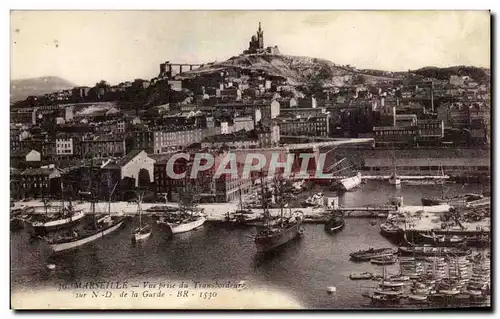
<point>273,236</point>
<point>99,228</point>
<point>461,201</point>
<point>187,218</point>
<point>63,218</point>
<point>104,226</point>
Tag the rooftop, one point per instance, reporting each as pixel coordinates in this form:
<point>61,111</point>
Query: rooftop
<point>130,156</point>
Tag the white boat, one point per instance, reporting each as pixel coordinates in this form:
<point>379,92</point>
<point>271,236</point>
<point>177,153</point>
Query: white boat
<point>142,232</point>
<point>399,278</point>
<point>70,243</point>
<point>55,224</point>
<point>449,292</point>
<point>417,297</point>
<point>100,228</point>
<point>392,284</point>
<point>388,292</point>
<point>186,225</point>
<point>349,183</point>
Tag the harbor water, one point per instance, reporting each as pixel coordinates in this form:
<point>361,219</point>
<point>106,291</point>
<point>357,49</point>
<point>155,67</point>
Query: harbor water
<point>303,268</point>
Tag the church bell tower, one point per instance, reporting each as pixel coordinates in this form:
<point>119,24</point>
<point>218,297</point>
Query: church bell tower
<point>260,37</point>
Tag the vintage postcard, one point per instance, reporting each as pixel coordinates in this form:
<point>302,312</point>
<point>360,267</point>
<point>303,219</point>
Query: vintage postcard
<point>250,159</point>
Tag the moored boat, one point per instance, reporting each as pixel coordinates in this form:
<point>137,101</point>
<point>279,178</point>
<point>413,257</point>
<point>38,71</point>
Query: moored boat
<point>105,226</point>
<point>361,276</point>
<point>143,231</point>
<point>385,260</point>
<point>366,255</point>
<point>66,218</point>
<point>433,251</point>
<point>349,183</point>
<point>335,223</point>
<point>181,225</point>
<point>274,236</point>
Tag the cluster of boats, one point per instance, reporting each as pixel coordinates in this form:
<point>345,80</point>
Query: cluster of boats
<point>438,279</point>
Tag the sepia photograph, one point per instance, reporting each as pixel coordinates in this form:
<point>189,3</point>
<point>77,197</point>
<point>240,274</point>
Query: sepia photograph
<point>250,160</point>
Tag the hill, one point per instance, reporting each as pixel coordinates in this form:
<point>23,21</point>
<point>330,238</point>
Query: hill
<point>22,88</point>
<point>480,75</point>
<point>298,71</point>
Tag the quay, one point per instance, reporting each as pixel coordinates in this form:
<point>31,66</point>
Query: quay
<point>218,212</point>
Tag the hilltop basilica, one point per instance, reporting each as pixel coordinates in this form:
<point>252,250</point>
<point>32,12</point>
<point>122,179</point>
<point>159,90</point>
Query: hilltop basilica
<point>256,45</point>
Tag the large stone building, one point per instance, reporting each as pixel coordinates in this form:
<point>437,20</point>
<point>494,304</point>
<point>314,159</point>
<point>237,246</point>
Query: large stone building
<point>136,166</point>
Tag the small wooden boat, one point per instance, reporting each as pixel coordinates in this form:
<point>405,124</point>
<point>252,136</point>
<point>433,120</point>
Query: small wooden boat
<point>361,276</point>
<point>399,278</point>
<point>417,298</point>
<point>391,284</point>
<point>366,255</point>
<point>142,232</point>
<point>386,260</point>
<point>335,223</point>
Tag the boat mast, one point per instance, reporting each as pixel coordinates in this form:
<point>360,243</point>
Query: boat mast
<point>139,208</point>
<point>110,195</point>
<point>241,200</point>
<point>44,199</point>
<point>92,196</point>
<point>263,198</point>
<point>62,193</point>
<point>279,187</point>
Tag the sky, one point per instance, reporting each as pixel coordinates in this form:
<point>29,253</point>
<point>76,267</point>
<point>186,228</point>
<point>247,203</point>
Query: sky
<point>87,46</point>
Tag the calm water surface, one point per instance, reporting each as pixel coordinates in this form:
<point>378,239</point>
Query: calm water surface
<point>302,268</point>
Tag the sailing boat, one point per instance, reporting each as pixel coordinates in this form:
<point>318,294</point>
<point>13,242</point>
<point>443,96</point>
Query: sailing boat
<point>96,230</point>
<point>64,218</point>
<point>394,178</point>
<point>266,219</point>
<point>273,236</point>
<point>187,218</point>
<point>142,232</point>
<point>388,291</point>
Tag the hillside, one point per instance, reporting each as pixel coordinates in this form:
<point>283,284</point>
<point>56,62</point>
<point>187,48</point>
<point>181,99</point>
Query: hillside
<point>298,71</point>
<point>481,75</point>
<point>22,88</point>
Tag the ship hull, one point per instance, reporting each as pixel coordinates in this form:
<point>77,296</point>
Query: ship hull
<point>267,243</point>
<point>333,227</point>
<point>426,201</point>
<point>80,242</point>
<point>141,234</point>
<point>349,183</point>
<point>55,225</point>
<point>185,227</point>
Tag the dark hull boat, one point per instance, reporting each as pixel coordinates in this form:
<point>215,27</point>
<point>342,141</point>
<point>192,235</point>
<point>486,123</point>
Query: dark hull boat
<point>366,255</point>
<point>432,251</point>
<point>335,224</point>
<point>432,201</point>
<point>391,231</point>
<point>417,237</point>
<point>275,237</point>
